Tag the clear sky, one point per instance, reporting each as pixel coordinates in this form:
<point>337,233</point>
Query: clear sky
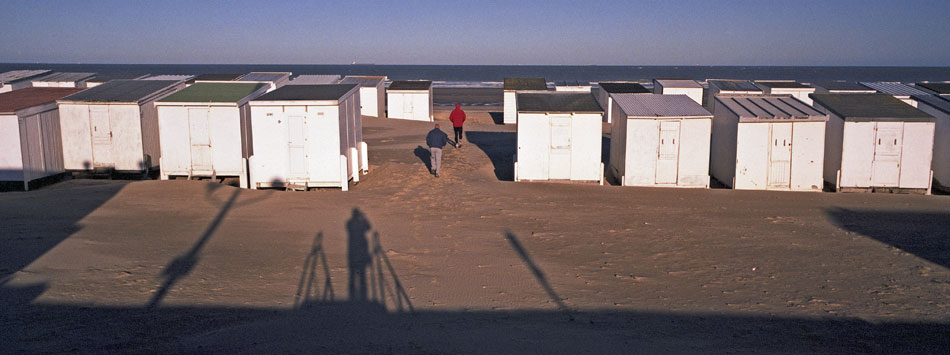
<point>550,32</point>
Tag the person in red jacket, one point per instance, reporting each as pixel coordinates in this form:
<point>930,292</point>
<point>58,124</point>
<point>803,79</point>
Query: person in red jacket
<point>458,118</point>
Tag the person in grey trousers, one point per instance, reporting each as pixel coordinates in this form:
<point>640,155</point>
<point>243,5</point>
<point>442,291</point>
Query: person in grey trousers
<point>436,140</point>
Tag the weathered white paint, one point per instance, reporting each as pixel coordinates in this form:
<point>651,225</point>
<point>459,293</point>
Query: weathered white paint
<point>695,93</point>
<point>668,151</point>
<point>767,154</point>
<point>192,131</point>
<point>559,146</point>
<point>307,143</point>
<point>372,101</point>
<point>30,145</point>
<point>410,104</point>
<point>873,154</point>
<point>941,151</point>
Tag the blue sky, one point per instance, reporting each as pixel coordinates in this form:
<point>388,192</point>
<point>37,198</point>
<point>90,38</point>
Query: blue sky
<point>714,32</point>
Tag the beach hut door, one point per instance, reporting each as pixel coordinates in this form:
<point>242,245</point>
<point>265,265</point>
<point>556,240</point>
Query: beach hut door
<point>780,155</point>
<point>101,137</point>
<point>297,145</point>
<point>407,106</point>
<point>200,134</point>
<point>667,160</point>
<point>885,168</point>
<point>560,167</point>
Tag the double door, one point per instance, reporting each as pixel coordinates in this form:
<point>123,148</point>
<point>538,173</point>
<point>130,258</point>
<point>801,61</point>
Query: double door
<point>780,155</point>
<point>667,159</point>
<point>886,164</point>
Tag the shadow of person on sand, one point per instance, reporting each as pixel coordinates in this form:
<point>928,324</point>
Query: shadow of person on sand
<point>372,277</point>
<point>424,155</point>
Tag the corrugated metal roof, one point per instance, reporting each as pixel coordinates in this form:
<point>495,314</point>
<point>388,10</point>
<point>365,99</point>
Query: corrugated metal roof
<point>623,88</point>
<point>870,107</point>
<point>678,83</point>
<point>101,78</point>
<point>65,77</point>
<point>525,84</point>
<point>783,84</point>
<point>308,92</point>
<point>315,79</point>
<point>265,76</point>
<point>940,88</point>
<point>410,85</point>
<point>897,89</point>
<point>122,91</point>
<point>734,85</point>
<point>654,105</point>
<point>941,103</point>
<point>15,100</point>
<point>18,75</point>
<point>169,77</point>
<point>214,92</point>
<point>571,83</point>
<point>557,101</point>
<point>218,77</point>
<point>770,108</point>
<point>370,81</point>
<point>841,86</point>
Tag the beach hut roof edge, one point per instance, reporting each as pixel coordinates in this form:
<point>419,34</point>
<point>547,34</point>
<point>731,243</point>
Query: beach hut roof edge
<point>678,83</point>
<point>779,108</point>
<point>870,107</point>
<point>940,88</point>
<point>214,92</point>
<point>654,105</point>
<point>65,77</point>
<point>218,77</point>
<point>783,84</point>
<point>16,100</point>
<point>525,84</point>
<point>20,75</point>
<point>410,85</point>
<point>563,102</point>
<point>841,85</point>
<point>623,88</point>
<point>940,103</point>
<point>123,90</point>
<point>734,85</point>
<point>891,88</point>
<point>320,92</point>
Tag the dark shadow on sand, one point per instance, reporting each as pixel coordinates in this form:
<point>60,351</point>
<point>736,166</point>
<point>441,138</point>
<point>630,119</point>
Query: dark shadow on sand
<point>924,234</point>
<point>424,155</point>
<point>500,147</point>
<point>497,117</point>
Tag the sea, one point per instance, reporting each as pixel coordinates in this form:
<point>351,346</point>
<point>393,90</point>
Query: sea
<point>493,75</point>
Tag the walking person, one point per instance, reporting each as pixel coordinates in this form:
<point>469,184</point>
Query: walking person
<point>458,118</point>
<point>436,140</point>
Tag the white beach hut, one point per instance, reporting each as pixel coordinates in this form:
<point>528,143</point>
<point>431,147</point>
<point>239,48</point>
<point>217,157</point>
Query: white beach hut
<point>876,142</point>
<point>768,143</point>
<point>100,79</point>
<point>114,126</point>
<point>898,90</point>
<point>786,87</point>
<point>659,140</point>
<point>19,79</point>
<point>307,136</point>
<point>510,89</point>
<point>937,88</point>
<point>608,88</point>
<point>728,87</point>
<point>572,85</point>
<point>679,87</point>
<point>559,137</point>
<point>63,80</point>
<point>841,87</point>
<point>206,130</point>
<point>372,94</point>
<point>274,79</point>
<point>30,147</point>
<point>939,108</point>
<point>315,79</point>
<point>410,100</point>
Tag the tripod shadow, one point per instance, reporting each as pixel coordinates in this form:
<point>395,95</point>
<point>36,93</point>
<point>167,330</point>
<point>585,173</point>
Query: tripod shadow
<point>310,286</point>
<point>372,277</point>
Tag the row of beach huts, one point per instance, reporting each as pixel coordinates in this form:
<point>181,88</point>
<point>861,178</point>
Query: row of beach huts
<point>270,131</point>
<point>758,135</point>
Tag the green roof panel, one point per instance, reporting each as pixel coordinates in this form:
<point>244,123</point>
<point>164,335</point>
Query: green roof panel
<point>214,92</point>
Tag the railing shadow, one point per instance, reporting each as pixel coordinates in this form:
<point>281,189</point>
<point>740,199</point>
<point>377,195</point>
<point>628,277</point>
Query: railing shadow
<point>372,278</point>
<point>500,147</point>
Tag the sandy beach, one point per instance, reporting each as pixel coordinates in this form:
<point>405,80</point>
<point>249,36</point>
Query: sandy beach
<point>468,263</point>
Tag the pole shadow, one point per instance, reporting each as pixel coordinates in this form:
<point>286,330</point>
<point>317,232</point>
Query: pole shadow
<point>535,270</point>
